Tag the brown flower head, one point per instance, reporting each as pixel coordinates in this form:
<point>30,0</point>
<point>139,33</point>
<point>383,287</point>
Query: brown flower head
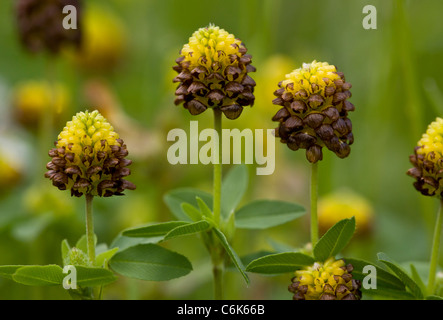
<point>314,111</point>
<point>40,24</point>
<point>213,73</point>
<point>89,158</point>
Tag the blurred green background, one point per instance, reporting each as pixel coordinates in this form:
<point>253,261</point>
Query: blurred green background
<point>397,91</point>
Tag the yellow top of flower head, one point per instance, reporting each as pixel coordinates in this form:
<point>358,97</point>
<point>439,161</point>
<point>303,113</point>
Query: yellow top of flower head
<point>345,204</point>
<point>213,43</point>
<point>432,141</point>
<point>319,73</point>
<point>87,129</point>
<point>320,274</point>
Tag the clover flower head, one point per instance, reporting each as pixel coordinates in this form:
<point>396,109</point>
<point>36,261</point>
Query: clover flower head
<point>314,111</point>
<point>89,158</point>
<point>213,72</point>
<point>40,25</point>
<point>331,280</point>
<point>427,161</point>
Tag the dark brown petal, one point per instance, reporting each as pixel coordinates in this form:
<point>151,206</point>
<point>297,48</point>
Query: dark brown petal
<point>314,153</point>
<point>195,107</point>
<point>234,87</point>
<point>281,115</point>
<point>293,122</point>
<point>232,111</point>
<point>325,132</point>
<point>332,113</point>
<point>298,106</point>
<point>314,120</point>
<point>73,170</point>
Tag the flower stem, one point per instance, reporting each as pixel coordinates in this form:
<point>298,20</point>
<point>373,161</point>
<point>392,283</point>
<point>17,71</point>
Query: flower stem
<point>216,250</point>
<point>435,249</point>
<point>90,229</point>
<point>314,195</point>
<point>217,272</point>
<point>217,168</point>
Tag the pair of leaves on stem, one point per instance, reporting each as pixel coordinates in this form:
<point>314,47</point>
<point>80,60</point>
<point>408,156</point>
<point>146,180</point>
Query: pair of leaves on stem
<point>192,208</point>
<point>53,275</point>
<point>392,282</point>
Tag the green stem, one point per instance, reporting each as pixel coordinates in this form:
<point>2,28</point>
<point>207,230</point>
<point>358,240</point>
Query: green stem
<point>314,195</point>
<point>217,272</point>
<point>90,229</point>
<point>217,168</point>
<point>435,249</point>
<point>217,259</point>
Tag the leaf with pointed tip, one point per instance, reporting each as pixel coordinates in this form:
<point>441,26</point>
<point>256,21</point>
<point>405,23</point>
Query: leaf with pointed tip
<point>204,209</point>
<point>188,229</point>
<point>102,259</point>
<point>280,263</point>
<point>150,262</point>
<point>232,254</point>
<point>153,230</point>
<point>385,280</point>
<point>49,275</point>
<point>192,212</point>
<point>335,239</point>
<point>262,214</point>
<point>175,198</point>
<point>234,186</point>
<point>9,270</point>
<point>401,274</point>
<point>65,250</point>
<point>91,276</point>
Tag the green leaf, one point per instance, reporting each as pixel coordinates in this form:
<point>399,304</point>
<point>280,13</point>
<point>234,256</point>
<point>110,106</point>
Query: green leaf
<point>280,263</point>
<point>65,250</point>
<point>188,229</point>
<point>175,198</point>
<point>91,277</point>
<point>50,275</point>
<point>102,259</point>
<point>153,230</point>
<point>232,254</point>
<point>417,278</point>
<point>82,243</point>
<point>123,242</point>
<point>262,214</point>
<point>335,239</point>
<point>385,280</point>
<point>234,186</point>
<point>8,271</point>
<point>401,274</point>
<point>150,262</point>
<point>192,212</point>
<point>204,209</point>
<point>433,297</point>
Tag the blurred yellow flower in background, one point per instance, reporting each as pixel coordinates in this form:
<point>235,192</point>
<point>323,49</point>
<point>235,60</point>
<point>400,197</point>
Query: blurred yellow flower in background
<point>344,204</point>
<point>36,98</point>
<point>10,174</point>
<point>104,40</point>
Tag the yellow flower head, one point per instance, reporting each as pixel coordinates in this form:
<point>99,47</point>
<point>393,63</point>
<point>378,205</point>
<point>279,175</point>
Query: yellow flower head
<point>35,99</point>
<point>428,161</point>
<point>89,158</point>
<point>104,40</point>
<point>213,72</point>
<point>342,205</point>
<point>314,111</point>
<point>311,77</point>
<point>211,47</point>
<point>10,174</point>
<point>331,280</point>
